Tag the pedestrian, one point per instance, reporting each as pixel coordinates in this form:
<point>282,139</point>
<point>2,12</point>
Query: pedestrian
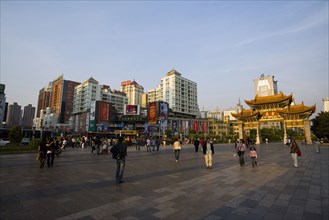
<point>253,156</point>
<point>158,143</point>
<point>148,144</point>
<point>42,151</point>
<point>294,149</point>
<point>93,145</point>
<point>288,142</point>
<point>177,148</point>
<point>202,142</point>
<point>317,145</point>
<point>98,143</point>
<point>241,148</point>
<point>153,143</point>
<point>208,151</point>
<point>119,153</point>
<point>50,152</point>
<point>196,144</point>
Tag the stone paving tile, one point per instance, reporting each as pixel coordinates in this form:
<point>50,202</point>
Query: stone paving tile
<point>82,186</point>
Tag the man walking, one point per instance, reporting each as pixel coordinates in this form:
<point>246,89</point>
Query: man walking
<point>119,153</point>
<point>196,144</point>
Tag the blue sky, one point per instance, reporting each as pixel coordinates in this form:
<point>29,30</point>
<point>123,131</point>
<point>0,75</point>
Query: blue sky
<point>221,45</point>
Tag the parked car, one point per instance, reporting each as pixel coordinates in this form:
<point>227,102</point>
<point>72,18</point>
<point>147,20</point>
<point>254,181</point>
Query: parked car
<point>25,140</point>
<point>4,142</point>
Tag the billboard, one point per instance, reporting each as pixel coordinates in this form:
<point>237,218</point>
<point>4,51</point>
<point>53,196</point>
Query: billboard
<point>104,111</point>
<point>152,113</point>
<point>131,110</point>
<point>164,106</point>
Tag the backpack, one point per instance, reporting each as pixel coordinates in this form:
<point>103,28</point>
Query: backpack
<point>115,150</point>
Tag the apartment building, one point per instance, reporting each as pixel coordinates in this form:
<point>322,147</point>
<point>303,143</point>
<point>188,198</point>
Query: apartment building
<point>133,91</point>
<point>179,92</point>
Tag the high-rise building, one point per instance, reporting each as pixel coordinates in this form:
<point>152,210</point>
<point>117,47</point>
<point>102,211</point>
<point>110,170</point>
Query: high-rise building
<point>265,86</point>
<point>151,95</point>
<point>144,100</point>
<point>133,91</point>
<point>44,99</point>
<point>14,115</point>
<point>84,94</point>
<point>58,95</point>
<point>179,92</point>
<point>28,116</point>
<point>62,95</point>
<point>325,104</point>
<point>2,104</point>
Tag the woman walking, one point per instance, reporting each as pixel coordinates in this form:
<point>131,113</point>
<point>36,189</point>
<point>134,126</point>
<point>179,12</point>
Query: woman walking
<point>240,150</point>
<point>177,148</point>
<point>293,151</point>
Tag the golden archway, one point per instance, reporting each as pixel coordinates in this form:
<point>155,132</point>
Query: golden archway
<point>275,108</point>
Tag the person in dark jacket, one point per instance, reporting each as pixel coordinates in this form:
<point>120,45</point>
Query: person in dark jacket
<point>119,152</point>
<point>196,144</point>
<point>208,151</point>
<point>42,150</point>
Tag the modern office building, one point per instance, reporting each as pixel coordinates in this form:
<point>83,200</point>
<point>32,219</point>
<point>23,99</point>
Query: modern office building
<point>28,116</point>
<point>133,91</point>
<point>14,115</point>
<point>180,93</point>
<point>265,86</point>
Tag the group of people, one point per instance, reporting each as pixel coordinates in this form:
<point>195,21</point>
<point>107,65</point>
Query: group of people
<point>153,143</point>
<point>46,151</point>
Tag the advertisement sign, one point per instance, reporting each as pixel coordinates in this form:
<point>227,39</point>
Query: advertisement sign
<point>152,113</point>
<point>92,116</point>
<point>196,126</point>
<point>131,110</point>
<point>164,106</point>
<point>87,121</point>
<point>104,111</point>
<point>204,127</point>
<point>174,127</point>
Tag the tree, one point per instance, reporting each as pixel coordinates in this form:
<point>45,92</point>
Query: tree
<point>15,134</point>
<point>320,125</point>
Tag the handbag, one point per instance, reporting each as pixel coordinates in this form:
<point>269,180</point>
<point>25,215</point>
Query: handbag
<point>299,153</point>
<point>49,152</point>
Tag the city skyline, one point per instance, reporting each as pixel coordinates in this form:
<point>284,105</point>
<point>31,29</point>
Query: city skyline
<point>117,41</point>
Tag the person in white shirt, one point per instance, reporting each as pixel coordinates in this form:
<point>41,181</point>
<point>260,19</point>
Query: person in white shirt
<point>177,148</point>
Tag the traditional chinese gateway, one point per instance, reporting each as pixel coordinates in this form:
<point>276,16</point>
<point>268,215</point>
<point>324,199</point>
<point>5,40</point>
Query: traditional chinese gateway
<point>270,106</point>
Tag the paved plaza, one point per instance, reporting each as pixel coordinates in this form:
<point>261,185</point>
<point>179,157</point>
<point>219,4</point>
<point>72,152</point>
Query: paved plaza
<point>82,186</point>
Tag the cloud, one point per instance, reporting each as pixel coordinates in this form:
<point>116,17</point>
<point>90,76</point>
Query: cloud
<point>318,18</point>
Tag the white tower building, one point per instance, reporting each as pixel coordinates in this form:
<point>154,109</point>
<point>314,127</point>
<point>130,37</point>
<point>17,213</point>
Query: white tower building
<point>133,91</point>
<point>325,104</point>
<point>179,92</point>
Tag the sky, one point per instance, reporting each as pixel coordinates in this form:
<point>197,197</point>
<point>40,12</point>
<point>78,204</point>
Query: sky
<point>223,46</point>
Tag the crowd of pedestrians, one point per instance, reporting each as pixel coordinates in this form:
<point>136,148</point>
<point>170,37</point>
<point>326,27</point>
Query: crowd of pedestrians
<point>49,148</point>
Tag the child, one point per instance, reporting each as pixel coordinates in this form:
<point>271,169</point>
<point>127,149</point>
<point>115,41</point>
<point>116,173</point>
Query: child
<point>253,156</point>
